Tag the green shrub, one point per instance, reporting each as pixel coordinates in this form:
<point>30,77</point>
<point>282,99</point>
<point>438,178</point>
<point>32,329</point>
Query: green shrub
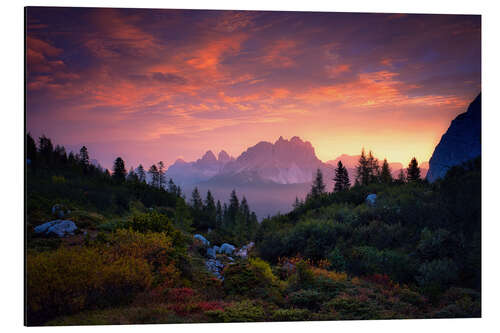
<point>244,311</point>
<point>350,307</point>
<point>310,299</point>
<point>69,280</point>
<point>291,315</point>
<point>435,276</point>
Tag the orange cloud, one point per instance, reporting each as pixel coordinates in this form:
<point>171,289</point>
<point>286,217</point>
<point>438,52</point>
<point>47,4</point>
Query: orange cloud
<point>281,54</point>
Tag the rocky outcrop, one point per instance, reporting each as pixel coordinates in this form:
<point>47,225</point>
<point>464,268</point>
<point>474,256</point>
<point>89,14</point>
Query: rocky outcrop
<point>60,228</point>
<point>202,239</point>
<point>460,143</point>
<point>371,199</point>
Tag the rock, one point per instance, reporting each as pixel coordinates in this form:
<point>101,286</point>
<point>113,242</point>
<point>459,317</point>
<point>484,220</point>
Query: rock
<point>243,252</point>
<point>227,248</point>
<point>216,249</point>
<point>59,210</point>
<point>211,253</point>
<point>58,227</point>
<point>460,143</point>
<point>370,199</point>
<point>202,239</point>
<point>215,267</point>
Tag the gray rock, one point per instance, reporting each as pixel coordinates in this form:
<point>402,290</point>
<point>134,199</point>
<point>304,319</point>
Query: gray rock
<point>211,253</point>
<point>216,249</point>
<point>59,210</point>
<point>243,252</point>
<point>60,228</point>
<point>227,248</point>
<point>202,239</point>
<point>370,199</point>
<point>460,143</point>
<point>215,267</point>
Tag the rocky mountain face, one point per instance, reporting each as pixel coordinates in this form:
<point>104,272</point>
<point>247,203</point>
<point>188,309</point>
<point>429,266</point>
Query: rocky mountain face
<point>460,143</point>
<point>284,162</point>
<point>188,173</point>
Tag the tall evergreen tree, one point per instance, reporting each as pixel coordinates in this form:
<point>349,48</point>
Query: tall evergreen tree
<point>84,157</point>
<point>210,211</point>
<point>385,173</point>
<point>318,186</point>
<point>413,171</point>
<point>141,174</point>
<point>132,176</point>
<point>401,177</point>
<point>363,169</point>
<point>46,149</point>
<point>162,182</point>
<point>31,152</point>
<point>196,201</point>
<point>155,176</point>
<point>219,215</point>
<point>171,186</point>
<point>119,171</point>
<point>341,178</point>
<point>373,168</point>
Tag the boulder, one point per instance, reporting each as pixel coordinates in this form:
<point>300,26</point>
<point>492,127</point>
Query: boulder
<point>243,252</point>
<point>60,228</point>
<point>227,248</point>
<point>202,239</point>
<point>370,199</point>
<point>59,211</point>
<point>215,267</point>
<point>211,252</point>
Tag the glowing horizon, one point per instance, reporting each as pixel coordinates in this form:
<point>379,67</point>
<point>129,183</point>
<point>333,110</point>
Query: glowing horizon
<point>151,85</point>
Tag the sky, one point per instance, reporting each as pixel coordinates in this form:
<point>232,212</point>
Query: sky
<point>151,85</point>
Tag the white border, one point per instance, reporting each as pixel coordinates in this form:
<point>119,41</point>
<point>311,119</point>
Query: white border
<point>11,150</point>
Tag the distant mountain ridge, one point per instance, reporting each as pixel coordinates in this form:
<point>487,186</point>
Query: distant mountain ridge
<point>460,143</point>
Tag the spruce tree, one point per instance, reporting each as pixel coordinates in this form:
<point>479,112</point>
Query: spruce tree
<point>385,173</point>
<point>84,157</point>
<point>219,217</point>
<point>401,177</point>
<point>318,186</point>
<point>132,176</point>
<point>162,182</point>
<point>373,169</point>
<point>363,170</point>
<point>155,176</point>
<point>141,174</point>
<point>413,171</point>
<point>119,171</point>
<point>341,178</point>
<point>31,152</point>
<point>210,211</point>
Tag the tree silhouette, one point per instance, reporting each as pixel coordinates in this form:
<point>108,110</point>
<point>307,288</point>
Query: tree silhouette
<point>162,182</point>
<point>385,173</point>
<point>119,171</point>
<point>401,177</point>
<point>155,176</point>
<point>318,186</point>
<point>413,171</point>
<point>341,178</point>
<point>141,174</point>
<point>31,153</point>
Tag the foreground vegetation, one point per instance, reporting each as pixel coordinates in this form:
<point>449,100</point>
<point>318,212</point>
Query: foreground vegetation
<point>415,253</point>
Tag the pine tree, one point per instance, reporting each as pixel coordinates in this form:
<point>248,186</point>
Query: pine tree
<point>84,157</point>
<point>132,176</point>
<point>362,170</point>
<point>31,152</point>
<point>171,186</point>
<point>401,177</point>
<point>197,208</point>
<point>46,149</point>
<point>296,204</point>
<point>318,186</point>
<point>373,168</point>
<point>210,211</point>
<point>219,217</point>
<point>385,173</point>
<point>141,174</point>
<point>155,176</point>
<point>341,179</point>
<point>234,206</point>
<point>413,171</point>
<point>161,175</point>
<point>119,171</point>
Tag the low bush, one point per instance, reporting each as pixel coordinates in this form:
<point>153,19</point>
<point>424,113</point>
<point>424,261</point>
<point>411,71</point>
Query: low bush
<point>69,280</point>
<point>291,315</point>
<point>244,311</point>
